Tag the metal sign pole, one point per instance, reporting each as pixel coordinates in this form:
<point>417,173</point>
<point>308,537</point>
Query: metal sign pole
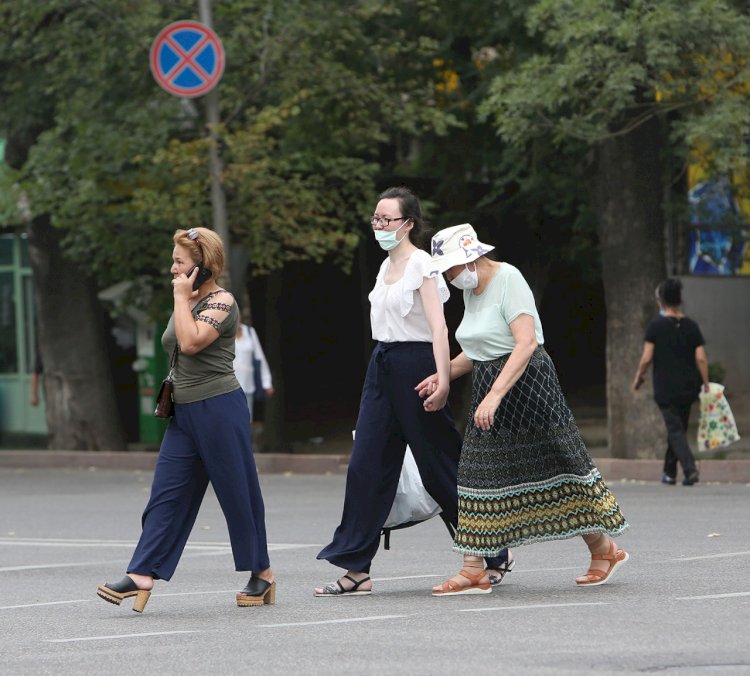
<point>218,198</point>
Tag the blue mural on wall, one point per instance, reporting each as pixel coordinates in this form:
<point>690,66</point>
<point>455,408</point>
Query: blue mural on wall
<point>718,243</point>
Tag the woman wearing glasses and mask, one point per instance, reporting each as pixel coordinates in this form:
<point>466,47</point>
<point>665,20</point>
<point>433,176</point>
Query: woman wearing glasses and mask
<point>408,323</point>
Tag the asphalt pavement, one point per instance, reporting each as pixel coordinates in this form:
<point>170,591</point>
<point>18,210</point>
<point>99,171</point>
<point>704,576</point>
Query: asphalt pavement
<point>680,605</point>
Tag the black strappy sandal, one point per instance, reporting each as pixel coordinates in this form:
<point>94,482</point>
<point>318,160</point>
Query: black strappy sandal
<point>337,589</point>
<point>497,574</point>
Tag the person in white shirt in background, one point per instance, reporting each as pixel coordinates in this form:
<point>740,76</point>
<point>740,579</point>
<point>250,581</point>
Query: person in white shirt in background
<point>247,350</point>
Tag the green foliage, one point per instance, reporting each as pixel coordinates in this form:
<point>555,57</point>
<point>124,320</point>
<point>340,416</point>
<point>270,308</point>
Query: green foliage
<point>9,196</point>
<point>603,67</point>
<point>716,372</point>
<point>312,91</point>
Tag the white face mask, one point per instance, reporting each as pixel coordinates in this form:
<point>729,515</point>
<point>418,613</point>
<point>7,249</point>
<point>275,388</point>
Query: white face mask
<point>387,238</point>
<point>466,279</point>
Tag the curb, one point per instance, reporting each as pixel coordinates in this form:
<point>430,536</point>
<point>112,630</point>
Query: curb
<point>267,463</point>
<point>612,469</point>
<point>722,471</point>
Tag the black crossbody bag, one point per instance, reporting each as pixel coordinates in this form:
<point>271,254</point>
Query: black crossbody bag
<point>165,400</point>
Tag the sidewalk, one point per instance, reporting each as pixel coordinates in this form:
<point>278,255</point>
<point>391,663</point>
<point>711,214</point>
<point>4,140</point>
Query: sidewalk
<point>612,469</point>
<point>329,453</point>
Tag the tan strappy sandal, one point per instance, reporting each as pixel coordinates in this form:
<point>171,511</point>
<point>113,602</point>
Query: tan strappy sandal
<point>616,558</point>
<point>450,588</point>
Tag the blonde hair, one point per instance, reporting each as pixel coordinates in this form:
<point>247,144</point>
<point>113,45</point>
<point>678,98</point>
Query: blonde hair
<point>207,247</point>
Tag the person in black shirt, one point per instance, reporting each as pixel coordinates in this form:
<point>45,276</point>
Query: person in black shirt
<point>674,343</point>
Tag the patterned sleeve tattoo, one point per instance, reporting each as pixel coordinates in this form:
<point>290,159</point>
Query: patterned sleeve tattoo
<point>218,306</point>
<point>209,320</point>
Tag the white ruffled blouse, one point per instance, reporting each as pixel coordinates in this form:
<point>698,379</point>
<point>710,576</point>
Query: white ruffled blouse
<point>396,311</point>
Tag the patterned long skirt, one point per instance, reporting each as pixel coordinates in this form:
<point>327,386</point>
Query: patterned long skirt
<point>529,477</point>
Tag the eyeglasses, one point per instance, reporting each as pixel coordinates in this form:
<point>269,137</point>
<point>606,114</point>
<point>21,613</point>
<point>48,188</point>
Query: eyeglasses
<point>383,222</point>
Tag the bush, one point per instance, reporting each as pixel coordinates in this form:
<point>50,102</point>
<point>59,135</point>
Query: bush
<point>716,372</point>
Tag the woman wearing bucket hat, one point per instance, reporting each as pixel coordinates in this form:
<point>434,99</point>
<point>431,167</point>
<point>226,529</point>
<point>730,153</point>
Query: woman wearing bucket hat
<point>408,323</point>
<point>525,475</point>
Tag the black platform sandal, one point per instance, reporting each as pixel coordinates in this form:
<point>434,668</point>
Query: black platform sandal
<point>497,574</point>
<point>125,588</point>
<point>337,589</point>
<point>257,593</point>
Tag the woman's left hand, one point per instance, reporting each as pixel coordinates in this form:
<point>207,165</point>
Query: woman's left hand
<point>427,386</point>
<point>484,416</point>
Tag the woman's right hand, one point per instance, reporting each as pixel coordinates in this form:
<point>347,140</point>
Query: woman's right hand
<point>428,386</point>
<point>182,285</point>
<point>437,400</point>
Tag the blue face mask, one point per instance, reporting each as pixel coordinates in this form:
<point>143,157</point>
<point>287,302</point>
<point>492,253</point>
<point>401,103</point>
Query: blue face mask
<point>387,238</point>
<point>662,313</point>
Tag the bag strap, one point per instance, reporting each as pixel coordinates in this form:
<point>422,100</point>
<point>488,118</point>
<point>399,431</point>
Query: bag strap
<point>173,360</point>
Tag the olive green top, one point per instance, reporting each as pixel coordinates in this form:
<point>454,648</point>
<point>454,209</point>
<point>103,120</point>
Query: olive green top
<point>207,373</point>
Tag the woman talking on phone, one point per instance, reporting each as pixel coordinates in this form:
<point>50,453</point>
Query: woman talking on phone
<point>208,438</point>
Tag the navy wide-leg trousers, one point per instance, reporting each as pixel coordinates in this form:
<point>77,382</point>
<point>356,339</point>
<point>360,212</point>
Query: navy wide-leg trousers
<point>207,440</point>
<point>392,415</point>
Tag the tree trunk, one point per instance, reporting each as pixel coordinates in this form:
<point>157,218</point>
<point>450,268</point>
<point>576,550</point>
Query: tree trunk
<point>274,439</point>
<point>80,396</point>
<point>627,199</point>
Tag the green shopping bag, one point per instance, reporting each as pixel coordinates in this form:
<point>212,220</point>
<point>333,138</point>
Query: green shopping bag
<point>716,428</point>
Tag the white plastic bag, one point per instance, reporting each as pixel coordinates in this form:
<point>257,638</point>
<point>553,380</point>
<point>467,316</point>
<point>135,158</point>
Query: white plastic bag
<point>716,427</point>
<point>412,502</point>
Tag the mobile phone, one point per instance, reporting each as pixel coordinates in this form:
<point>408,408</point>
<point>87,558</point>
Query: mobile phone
<point>203,275</point>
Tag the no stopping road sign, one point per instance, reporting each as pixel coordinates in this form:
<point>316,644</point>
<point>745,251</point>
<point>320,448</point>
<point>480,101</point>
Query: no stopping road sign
<point>187,59</point>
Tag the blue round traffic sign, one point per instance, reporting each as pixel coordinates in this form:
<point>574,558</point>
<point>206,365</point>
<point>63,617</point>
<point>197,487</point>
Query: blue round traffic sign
<point>187,59</point>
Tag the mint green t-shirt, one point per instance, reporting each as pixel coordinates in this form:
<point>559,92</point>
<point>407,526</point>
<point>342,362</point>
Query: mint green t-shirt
<point>484,333</point>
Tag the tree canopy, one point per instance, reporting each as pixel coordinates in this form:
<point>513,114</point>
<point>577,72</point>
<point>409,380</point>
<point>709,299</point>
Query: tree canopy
<point>501,110</point>
<point>603,67</point>
<point>312,93</point>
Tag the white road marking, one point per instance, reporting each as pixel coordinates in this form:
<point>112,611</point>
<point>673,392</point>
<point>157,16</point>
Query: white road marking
<point>342,621</point>
<point>14,541</point>
<point>712,596</point>
<point>710,556</point>
<point>192,549</point>
<point>403,577</point>
<point>107,545</point>
<point>94,600</point>
<point>10,569</point>
<point>530,607</point>
<point>47,603</point>
<point>107,638</point>
<point>76,542</point>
